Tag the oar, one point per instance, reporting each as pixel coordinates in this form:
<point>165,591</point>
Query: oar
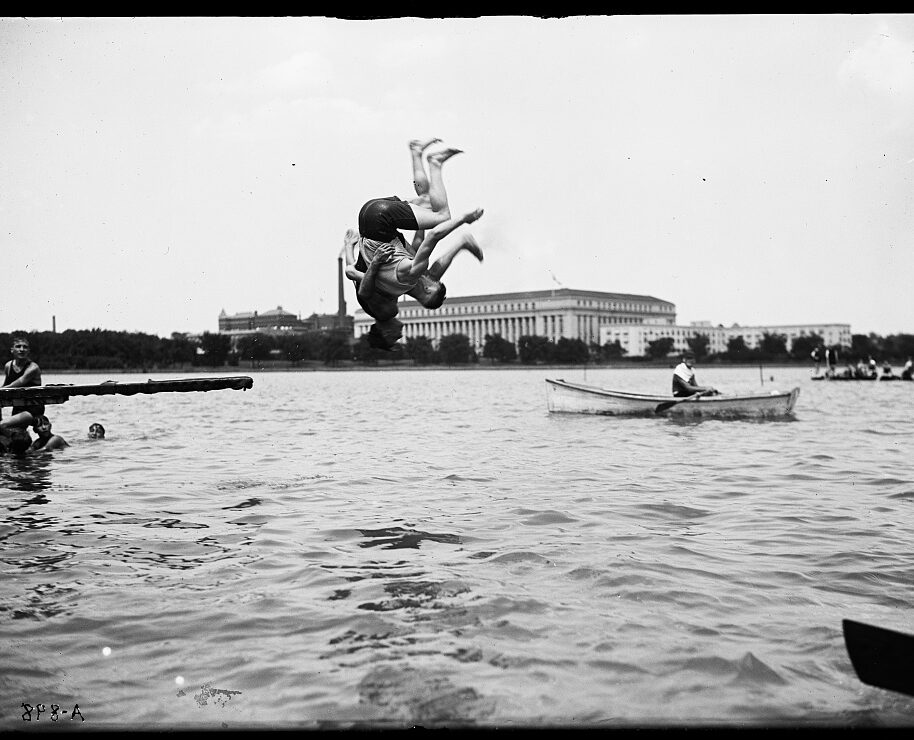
<point>881,657</point>
<point>661,407</point>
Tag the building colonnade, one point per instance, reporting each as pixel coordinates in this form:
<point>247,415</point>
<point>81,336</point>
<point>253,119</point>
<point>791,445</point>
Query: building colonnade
<point>554,314</point>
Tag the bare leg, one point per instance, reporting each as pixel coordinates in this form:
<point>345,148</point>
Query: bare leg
<point>420,179</point>
<point>419,263</point>
<point>436,190</point>
<point>444,261</point>
<point>22,419</point>
<point>440,211</point>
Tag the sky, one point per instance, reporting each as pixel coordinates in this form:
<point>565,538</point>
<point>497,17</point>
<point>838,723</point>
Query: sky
<point>751,169</point>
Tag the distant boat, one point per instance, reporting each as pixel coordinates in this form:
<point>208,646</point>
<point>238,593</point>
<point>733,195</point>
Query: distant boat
<point>574,398</point>
<point>881,378</point>
<point>61,393</point>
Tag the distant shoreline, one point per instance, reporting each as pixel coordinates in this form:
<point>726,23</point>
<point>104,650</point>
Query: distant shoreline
<point>319,367</point>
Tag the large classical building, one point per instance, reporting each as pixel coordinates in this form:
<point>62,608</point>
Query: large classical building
<point>593,317</point>
<point>563,312</point>
<point>635,338</point>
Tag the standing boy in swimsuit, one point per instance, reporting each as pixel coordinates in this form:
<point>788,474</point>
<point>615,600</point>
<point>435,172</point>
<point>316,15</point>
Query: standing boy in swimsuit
<point>22,372</point>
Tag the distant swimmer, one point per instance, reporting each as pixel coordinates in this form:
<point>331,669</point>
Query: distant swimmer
<point>96,431</point>
<point>384,266</point>
<point>22,372</point>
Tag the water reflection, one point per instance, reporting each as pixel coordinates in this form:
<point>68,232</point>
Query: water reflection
<point>31,473</point>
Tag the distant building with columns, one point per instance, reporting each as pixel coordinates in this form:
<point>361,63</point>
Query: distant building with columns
<point>635,338</point>
<point>563,312</point>
<point>278,322</point>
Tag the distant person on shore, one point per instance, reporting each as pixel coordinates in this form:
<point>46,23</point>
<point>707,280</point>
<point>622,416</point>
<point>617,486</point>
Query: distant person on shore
<point>908,370</point>
<point>386,266</point>
<point>684,382</point>
<point>816,355</point>
<point>22,372</point>
<point>96,431</point>
<point>47,441</point>
<point>873,372</point>
<point>887,370</point>
<point>831,362</point>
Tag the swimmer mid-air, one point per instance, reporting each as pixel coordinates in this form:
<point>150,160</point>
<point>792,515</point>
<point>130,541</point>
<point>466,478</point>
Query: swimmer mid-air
<point>384,266</point>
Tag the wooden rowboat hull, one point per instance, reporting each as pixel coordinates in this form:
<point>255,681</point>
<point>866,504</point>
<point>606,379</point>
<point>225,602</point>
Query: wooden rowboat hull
<point>574,398</point>
<point>62,393</point>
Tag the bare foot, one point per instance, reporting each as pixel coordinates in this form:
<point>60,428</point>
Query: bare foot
<point>419,146</point>
<point>439,158</point>
<point>472,216</point>
<point>472,246</point>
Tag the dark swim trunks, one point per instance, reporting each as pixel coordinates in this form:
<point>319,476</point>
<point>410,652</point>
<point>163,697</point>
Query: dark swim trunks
<point>380,218</point>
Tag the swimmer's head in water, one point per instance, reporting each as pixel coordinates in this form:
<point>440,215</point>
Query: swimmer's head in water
<point>96,431</point>
<point>384,334</point>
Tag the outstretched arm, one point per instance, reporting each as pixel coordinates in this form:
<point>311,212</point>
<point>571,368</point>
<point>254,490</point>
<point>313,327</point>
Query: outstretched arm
<point>31,376</point>
<point>367,286</point>
<point>418,238</point>
<point>687,388</point>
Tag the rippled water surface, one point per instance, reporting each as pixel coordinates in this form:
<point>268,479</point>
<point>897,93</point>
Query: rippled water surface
<point>432,547</point>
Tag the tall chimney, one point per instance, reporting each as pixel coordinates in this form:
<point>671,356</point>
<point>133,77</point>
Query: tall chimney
<point>339,265</point>
<point>54,324</point>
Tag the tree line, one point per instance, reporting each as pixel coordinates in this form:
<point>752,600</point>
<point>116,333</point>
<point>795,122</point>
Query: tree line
<point>101,349</point>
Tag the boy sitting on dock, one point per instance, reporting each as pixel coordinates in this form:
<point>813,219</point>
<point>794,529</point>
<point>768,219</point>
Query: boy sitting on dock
<point>22,372</point>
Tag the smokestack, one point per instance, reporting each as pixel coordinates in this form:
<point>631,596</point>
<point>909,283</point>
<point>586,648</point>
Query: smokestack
<point>54,324</point>
<point>339,266</point>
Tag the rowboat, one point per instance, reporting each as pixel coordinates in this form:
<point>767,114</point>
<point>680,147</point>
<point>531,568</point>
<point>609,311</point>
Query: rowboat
<point>574,398</point>
<point>61,393</point>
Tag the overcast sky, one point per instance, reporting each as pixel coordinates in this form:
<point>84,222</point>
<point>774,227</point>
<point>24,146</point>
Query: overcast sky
<point>750,169</point>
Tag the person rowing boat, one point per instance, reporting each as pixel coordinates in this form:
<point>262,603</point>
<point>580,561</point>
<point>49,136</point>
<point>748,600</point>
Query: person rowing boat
<point>684,382</point>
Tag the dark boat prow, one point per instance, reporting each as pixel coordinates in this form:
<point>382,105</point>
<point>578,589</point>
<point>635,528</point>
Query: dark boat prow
<point>881,657</point>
